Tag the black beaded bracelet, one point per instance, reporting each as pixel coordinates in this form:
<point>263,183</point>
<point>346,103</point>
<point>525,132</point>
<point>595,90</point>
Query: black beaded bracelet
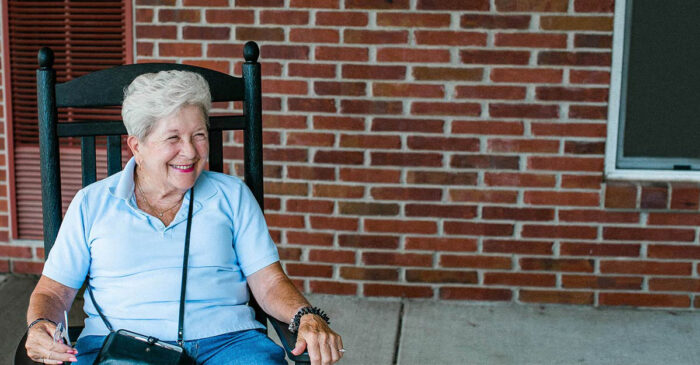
<point>294,323</point>
<point>39,320</point>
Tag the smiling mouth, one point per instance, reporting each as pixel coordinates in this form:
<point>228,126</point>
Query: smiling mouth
<point>183,168</point>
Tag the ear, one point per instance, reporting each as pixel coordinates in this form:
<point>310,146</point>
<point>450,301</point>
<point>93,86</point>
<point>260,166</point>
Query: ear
<point>134,146</point>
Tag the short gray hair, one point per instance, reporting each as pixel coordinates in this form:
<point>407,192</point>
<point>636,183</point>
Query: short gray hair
<point>153,96</point>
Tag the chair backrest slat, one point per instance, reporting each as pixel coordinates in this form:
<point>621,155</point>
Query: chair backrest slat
<point>114,154</point>
<point>88,161</point>
<point>216,158</point>
<point>90,128</point>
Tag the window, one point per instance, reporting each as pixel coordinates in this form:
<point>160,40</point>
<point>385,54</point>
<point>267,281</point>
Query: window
<point>85,36</point>
<point>654,111</point>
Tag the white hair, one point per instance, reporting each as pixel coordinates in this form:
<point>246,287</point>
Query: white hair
<point>153,96</point>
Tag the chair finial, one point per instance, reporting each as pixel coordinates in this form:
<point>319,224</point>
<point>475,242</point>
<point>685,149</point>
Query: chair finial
<point>45,57</point>
<point>251,52</point>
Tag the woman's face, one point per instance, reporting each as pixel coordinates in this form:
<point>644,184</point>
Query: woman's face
<point>174,153</point>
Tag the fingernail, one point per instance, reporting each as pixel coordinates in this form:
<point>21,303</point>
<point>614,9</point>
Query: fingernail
<point>72,359</point>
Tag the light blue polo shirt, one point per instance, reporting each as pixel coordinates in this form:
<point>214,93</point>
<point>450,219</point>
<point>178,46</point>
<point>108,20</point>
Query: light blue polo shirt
<point>135,262</point>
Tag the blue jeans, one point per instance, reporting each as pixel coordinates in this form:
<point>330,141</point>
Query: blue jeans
<point>235,348</point>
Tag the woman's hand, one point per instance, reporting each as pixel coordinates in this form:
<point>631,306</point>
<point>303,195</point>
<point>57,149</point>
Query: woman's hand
<point>315,336</point>
<point>41,347</point>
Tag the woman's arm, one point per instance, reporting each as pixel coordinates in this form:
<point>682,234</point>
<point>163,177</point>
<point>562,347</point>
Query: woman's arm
<point>279,298</point>
<point>49,299</point>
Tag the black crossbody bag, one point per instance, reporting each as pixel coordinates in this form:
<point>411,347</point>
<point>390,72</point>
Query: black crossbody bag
<point>126,347</point>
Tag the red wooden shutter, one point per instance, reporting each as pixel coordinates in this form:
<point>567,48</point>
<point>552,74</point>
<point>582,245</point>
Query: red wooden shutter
<point>85,36</point>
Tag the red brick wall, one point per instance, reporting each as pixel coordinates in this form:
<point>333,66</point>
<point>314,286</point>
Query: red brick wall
<point>446,149</point>
<point>7,250</point>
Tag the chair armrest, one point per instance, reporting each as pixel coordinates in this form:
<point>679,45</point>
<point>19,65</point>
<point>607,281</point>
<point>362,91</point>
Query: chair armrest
<point>288,340</point>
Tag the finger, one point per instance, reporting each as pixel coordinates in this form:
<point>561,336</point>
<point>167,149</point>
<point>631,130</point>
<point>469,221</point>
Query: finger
<point>326,356</point>
<point>335,354</point>
<point>54,357</point>
<point>340,345</point>
<point>299,346</point>
<point>314,350</point>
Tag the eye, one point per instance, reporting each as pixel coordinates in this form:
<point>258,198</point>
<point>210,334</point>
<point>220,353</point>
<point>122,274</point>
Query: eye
<point>172,138</point>
<point>200,136</point>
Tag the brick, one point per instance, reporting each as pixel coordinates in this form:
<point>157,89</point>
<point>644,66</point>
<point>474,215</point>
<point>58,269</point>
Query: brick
<point>287,17</point>
<point>325,4</point>
<point>284,220</point>
<point>371,107</point>
<point>645,267</point>
<point>588,112</point>
<point>411,20</point>
<point>559,231</point>
<point>401,193</point>
<point>288,53</point>
<point>311,105</point>
<point>179,15</point>
<point>371,4</point>
<point>406,159</point>
<point>156,31</point>
<point>539,111</point>
<point>530,40</point>
<point>340,88</point>
<point>443,143</point>
<point>584,148</point>
<point>565,163</point>
<point>560,6</point>
<point>440,244</point>
<point>561,198</point>
<point>205,2</point>
<point>369,141</point>
<point>441,178</point>
<point>285,154</point>
<point>519,179</point>
<point>408,90</point>
<point>450,38</point>
<point>485,162</point>
<point>568,129</point>
<point>368,241</point>
<point>462,5</point>
<point>15,251</point>
<point>216,16</point>
<point>271,86</point>
<point>441,276</point>
<point>593,41</point>
<point>365,209</point>
<point>419,55</point>
<point>342,18</point>
<point>599,249</point>
<point>336,123</point>
<point>400,226</point>
<point>648,234</point>
<point>407,125</point>
<point>594,6</point>
<point>339,157</point>
<point>289,253</point>
<point>601,282</point>
<point>261,3</point>
<point>665,251</point>
<point>491,92</point>
<point>557,297</point>
<point>668,284</point>
<point>333,223</point>
<point>310,173</point>
<point>527,75</point>
<point>332,287</point>
<point>491,57</point>
<point>620,195</point>
<point>206,33</point>
<point>294,269</point>
<point>375,36</point>
<point>332,256</point>
<point>486,195</point>
<point>571,94</point>
<point>523,145</point>
<point>362,273</point>
<point>517,214</point>
<point>286,188</point>
<point>478,229</point>
<point>370,175</point>
<point>685,197</point>
<point>144,49</point>
<point>309,206</point>
<point>481,294</point>
<point>317,35</point>
<point>517,247</point>
<point>338,191</point>
<point>403,291</point>
<point>485,21</point>
<point>434,108</point>
<point>223,50</point>
<point>309,238</point>
<point>144,15</point>
<point>574,58</point>
<point>589,77</point>
<point>598,216</point>
<point>643,300</point>
<point>259,34</point>
<point>422,73</point>
<point>476,261</point>
<point>674,219</point>
<point>310,139</point>
<point>488,127</point>
<point>26,267</point>
<point>654,197</point>
<point>583,23</point>
<point>356,54</point>
<point>156,2</point>
<point>565,265</point>
<point>575,181</point>
<point>311,70</point>
<point>397,259</point>
<point>441,210</point>
<point>373,72</point>
<point>519,279</point>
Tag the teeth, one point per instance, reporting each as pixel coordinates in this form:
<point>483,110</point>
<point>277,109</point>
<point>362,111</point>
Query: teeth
<point>183,167</point>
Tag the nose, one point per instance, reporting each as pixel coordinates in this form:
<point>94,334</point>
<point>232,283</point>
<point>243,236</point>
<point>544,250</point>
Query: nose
<point>188,149</point>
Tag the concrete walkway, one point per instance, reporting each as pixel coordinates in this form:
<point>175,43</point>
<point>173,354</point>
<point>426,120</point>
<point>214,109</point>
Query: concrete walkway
<point>420,332</point>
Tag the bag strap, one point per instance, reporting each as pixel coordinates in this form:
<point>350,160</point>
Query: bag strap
<point>180,325</point>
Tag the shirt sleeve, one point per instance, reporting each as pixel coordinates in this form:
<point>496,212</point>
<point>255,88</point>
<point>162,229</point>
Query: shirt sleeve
<point>69,259</point>
<point>251,239</point>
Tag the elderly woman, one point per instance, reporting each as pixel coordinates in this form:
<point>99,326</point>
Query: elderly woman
<point>126,233</point>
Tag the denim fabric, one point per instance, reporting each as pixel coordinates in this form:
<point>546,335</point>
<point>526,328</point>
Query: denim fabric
<point>251,347</point>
